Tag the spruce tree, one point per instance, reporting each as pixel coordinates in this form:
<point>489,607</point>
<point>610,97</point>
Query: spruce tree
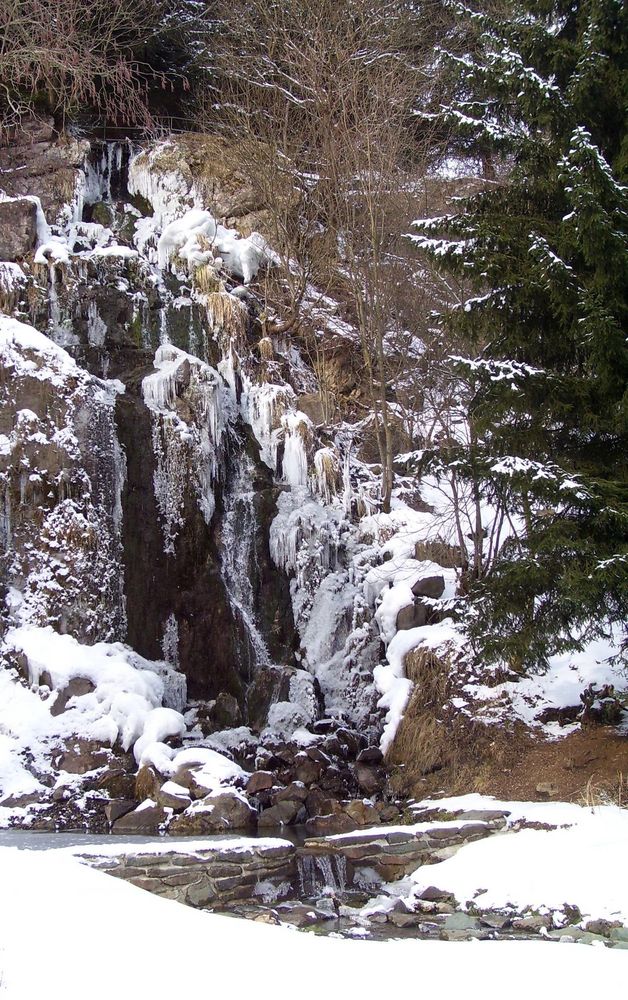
<point>545,251</point>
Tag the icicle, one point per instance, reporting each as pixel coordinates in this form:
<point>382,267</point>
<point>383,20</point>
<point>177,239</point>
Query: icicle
<point>327,472</point>
<point>298,436</point>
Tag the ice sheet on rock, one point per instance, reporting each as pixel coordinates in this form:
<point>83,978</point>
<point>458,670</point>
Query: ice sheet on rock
<point>263,407</point>
<point>17,337</point>
<point>186,452</point>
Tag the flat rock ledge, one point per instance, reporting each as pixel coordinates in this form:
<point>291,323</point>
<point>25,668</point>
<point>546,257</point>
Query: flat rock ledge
<point>394,853</point>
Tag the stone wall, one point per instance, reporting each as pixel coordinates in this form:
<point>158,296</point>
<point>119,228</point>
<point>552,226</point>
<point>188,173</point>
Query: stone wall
<point>211,876</point>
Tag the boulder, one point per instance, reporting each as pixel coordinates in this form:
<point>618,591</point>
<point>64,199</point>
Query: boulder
<point>281,814</point>
<point>117,808</point>
<point>226,712</point>
<point>362,812</point>
<point>259,781</point>
<point>81,757</point>
<point>412,616</point>
<point>147,783</point>
<point>429,586</point>
<point>325,826</point>
<point>18,228</point>
<point>307,770</point>
<point>214,814</point>
<point>173,796</point>
<point>146,820</point>
<point>370,755</point>
<point>371,780</point>
<point>295,792</point>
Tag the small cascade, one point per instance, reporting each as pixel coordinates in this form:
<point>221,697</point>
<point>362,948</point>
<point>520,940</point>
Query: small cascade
<point>322,875</point>
<point>239,561</point>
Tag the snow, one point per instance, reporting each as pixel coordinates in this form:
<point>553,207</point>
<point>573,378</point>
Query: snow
<point>198,239</point>
<point>76,907</point>
<point>211,769</point>
<point>16,337</point>
<point>124,705</point>
<point>560,686</point>
<point>390,680</point>
<point>582,863</point>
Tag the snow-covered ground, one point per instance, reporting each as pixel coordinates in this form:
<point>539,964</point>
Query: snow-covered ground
<point>580,862</point>
<point>69,932</point>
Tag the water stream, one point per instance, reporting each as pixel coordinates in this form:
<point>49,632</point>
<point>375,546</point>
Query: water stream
<point>239,562</point>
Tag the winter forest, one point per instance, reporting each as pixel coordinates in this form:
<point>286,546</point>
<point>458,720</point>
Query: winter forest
<point>314,491</point>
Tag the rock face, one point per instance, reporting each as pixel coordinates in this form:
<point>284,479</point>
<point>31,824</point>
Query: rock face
<point>61,473</point>
<point>35,163</point>
<point>142,466</point>
<point>18,228</point>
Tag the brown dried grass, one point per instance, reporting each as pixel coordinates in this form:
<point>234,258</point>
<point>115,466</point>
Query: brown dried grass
<point>437,747</point>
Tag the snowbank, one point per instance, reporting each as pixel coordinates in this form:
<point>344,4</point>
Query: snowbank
<point>186,946</point>
<point>582,863</point>
<point>122,701</point>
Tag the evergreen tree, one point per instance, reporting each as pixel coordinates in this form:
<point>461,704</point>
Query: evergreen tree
<point>545,252</point>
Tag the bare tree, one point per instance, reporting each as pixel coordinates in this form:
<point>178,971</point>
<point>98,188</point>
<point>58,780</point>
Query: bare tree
<point>64,55</point>
<point>328,92</point>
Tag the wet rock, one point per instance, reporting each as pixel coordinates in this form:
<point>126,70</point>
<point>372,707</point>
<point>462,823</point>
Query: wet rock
<point>302,915</point>
<point>18,228</point>
<point>307,771</point>
<point>281,814</point>
<point>370,755</point>
<point>147,783</point>
<point>295,791</point>
<point>270,685</point>
<point>362,812</point>
<point>535,923</point>
<point>173,796</point>
<point>118,782</point>
<point>412,616</point>
<point>353,741</point>
<point>117,808</point>
<point>325,826</point>
<point>602,927</point>
<point>146,820</point>
<point>226,713</point>
<point>461,922</point>
<point>214,814</point>
<point>388,812</point>
<point>434,895</point>
<point>497,921</point>
<point>81,757</point>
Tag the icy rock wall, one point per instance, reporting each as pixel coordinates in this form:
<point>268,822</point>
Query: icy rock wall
<point>191,413</point>
<point>340,644</point>
<point>61,478</point>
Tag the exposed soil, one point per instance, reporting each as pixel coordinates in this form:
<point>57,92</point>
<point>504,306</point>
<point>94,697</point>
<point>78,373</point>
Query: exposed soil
<point>588,766</point>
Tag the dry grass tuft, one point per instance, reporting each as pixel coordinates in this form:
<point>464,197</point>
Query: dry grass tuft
<point>438,746</point>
